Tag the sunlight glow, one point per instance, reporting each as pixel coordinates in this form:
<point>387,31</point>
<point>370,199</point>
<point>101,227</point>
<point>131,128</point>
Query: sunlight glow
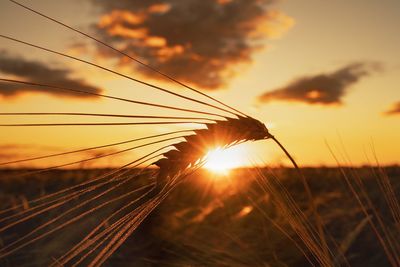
<point>244,211</point>
<point>220,160</point>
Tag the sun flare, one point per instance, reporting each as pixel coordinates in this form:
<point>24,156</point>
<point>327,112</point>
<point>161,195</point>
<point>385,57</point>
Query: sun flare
<point>221,161</point>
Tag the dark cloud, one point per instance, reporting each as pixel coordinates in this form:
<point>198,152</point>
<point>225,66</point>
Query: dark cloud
<point>191,40</point>
<point>37,72</point>
<point>322,89</point>
<point>395,109</point>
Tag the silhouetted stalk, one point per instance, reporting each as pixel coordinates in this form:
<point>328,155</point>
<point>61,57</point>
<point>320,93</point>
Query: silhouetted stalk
<point>390,257</point>
<point>314,210</point>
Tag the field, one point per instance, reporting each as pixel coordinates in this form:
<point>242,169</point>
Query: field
<point>229,220</point>
<point>148,133</point>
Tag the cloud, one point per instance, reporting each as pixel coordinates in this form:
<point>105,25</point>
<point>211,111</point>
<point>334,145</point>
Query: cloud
<point>37,72</point>
<point>194,41</point>
<point>394,110</point>
<point>324,89</point>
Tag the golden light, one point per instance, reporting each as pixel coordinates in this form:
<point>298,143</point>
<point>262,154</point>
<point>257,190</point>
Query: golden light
<point>221,161</point>
<point>244,211</point>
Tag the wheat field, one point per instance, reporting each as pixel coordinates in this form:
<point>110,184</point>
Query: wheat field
<point>114,155</point>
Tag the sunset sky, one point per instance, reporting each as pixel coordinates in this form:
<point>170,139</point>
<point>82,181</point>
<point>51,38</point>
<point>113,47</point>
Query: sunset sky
<point>315,72</point>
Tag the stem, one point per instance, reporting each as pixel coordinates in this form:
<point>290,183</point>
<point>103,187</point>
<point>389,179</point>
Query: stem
<point>318,218</point>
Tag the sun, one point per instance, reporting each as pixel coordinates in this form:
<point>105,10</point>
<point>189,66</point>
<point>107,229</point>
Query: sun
<point>221,161</point>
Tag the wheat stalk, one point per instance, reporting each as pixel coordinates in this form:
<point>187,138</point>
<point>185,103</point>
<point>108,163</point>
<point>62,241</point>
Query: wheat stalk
<point>174,165</point>
<point>217,135</point>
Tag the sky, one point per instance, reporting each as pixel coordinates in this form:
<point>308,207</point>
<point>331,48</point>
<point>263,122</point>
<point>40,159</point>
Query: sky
<point>319,74</point>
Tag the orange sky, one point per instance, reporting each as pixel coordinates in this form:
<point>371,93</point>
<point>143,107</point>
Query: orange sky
<point>295,42</point>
